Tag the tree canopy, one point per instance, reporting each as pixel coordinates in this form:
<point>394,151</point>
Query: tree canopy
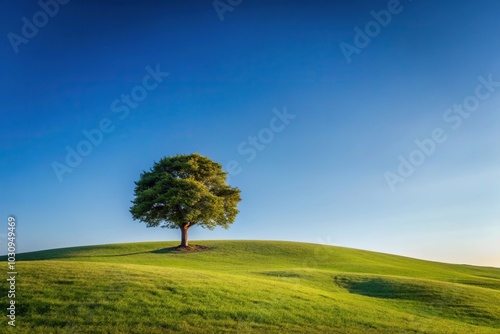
<point>182,191</point>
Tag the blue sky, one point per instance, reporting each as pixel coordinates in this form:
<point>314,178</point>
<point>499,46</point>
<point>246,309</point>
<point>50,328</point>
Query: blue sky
<point>318,175</point>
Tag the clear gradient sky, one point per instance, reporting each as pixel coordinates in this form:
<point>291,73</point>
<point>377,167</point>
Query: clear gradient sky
<point>318,175</point>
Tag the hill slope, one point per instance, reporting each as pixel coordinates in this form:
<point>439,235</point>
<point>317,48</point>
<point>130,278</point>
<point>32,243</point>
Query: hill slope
<point>249,287</point>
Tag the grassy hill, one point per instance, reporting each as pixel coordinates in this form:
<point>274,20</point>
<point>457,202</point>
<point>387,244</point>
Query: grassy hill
<point>248,287</point>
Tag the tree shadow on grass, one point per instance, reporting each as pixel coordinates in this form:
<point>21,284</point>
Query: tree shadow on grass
<point>181,250</point>
<point>45,255</point>
<point>74,252</point>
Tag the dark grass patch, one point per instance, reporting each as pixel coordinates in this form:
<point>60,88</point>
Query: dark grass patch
<point>491,284</point>
<point>400,289</point>
<point>280,273</point>
<point>437,299</point>
<point>64,282</point>
<point>171,289</point>
<point>377,287</point>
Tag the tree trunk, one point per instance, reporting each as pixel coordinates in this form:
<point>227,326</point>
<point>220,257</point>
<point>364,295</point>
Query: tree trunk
<point>184,235</point>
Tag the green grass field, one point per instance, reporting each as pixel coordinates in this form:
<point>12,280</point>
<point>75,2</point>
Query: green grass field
<point>247,287</point>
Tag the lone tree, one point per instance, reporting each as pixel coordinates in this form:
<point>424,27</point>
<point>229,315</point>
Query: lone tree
<point>182,191</point>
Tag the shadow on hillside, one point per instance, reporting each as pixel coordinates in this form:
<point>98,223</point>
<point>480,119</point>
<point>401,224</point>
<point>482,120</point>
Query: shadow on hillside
<point>449,300</point>
<point>44,255</point>
<point>178,249</point>
<point>80,253</point>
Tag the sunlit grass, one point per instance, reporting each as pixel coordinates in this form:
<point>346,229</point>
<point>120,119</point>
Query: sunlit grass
<point>249,287</point>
